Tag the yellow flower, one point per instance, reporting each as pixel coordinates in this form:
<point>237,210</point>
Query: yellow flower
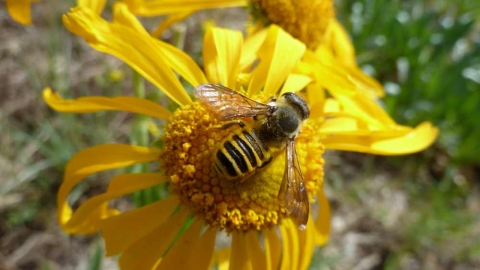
<point>181,230</point>
<point>20,10</point>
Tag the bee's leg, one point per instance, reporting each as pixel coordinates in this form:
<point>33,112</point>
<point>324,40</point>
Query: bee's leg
<point>229,124</point>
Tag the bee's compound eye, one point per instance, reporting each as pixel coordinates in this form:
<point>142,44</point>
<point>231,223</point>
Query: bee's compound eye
<point>298,103</point>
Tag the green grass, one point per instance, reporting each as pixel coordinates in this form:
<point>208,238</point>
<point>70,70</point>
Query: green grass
<point>427,54</point>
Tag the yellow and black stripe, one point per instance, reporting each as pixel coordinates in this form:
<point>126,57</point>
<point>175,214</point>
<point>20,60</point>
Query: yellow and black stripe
<point>241,154</point>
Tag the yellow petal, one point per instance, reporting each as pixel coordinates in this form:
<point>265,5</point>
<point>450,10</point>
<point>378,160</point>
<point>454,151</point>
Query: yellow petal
<point>96,5</point>
<point>148,251</point>
<point>222,49</point>
<point>316,99</point>
<point>96,159</point>
<point>316,111</point>
<point>86,219</point>
<point>174,58</point>
<point>364,82</point>
<point>95,104</point>
<point>125,39</point>
<point>20,10</point>
<point>339,125</point>
<point>331,106</point>
<point>366,109</point>
<point>339,43</point>
<point>255,252</point>
<point>180,256</point>
<point>119,232</point>
<point>272,249</point>
<point>278,55</point>
<point>203,251</point>
<point>169,21</point>
<point>307,240</point>
<point>182,63</point>
<point>162,7</point>
<point>327,73</point>
<point>295,83</point>
<point>416,140</point>
<point>322,224</point>
<point>250,47</point>
<point>291,247</point>
<point>239,256</point>
<point>222,258</point>
<point>342,123</point>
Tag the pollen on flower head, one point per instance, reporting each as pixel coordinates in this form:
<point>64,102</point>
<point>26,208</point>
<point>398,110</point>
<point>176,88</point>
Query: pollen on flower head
<point>191,141</point>
<point>306,20</point>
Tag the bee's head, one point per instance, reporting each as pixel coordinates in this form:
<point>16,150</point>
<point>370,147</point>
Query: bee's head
<point>291,111</point>
<point>296,103</point>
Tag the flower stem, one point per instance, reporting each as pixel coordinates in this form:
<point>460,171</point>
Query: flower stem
<point>139,136</point>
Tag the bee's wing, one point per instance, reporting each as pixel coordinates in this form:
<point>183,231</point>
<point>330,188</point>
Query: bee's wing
<point>292,190</point>
<point>228,104</point>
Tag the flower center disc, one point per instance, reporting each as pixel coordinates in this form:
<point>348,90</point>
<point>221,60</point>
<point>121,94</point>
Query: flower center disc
<point>191,141</point>
<point>306,20</point>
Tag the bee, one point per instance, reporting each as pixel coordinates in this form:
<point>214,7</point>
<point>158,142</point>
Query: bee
<point>275,125</point>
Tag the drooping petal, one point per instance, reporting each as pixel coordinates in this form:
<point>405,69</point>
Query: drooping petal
<point>125,39</point>
<point>290,245</point>
<point>96,5</point>
<point>180,256</point>
<point>182,63</point>
<point>342,125</point>
<point>119,232</point>
<point>148,250</point>
<point>20,10</point>
<point>307,244</point>
<point>239,255</point>
<point>95,104</point>
<point>255,252</point>
<point>278,55</point>
<point>322,224</point>
<point>163,7</point>
<point>339,43</point>
<point>273,249</point>
<point>92,160</point>
<point>175,58</point>
<point>86,219</point>
<point>222,49</point>
<point>221,259</point>
<point>416,140</point>
<point>203,251</point>
<point>365,108</point>
<point>364,82</point>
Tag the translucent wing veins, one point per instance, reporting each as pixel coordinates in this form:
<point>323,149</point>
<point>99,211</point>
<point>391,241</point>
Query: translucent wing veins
<point>228,104</point>
<point>292,190</point>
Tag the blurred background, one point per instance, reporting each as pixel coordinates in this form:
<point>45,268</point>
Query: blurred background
<point>410,212</point>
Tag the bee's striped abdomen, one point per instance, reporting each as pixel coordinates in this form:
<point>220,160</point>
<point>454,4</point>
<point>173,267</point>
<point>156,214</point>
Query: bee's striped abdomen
<point>241,154</point>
